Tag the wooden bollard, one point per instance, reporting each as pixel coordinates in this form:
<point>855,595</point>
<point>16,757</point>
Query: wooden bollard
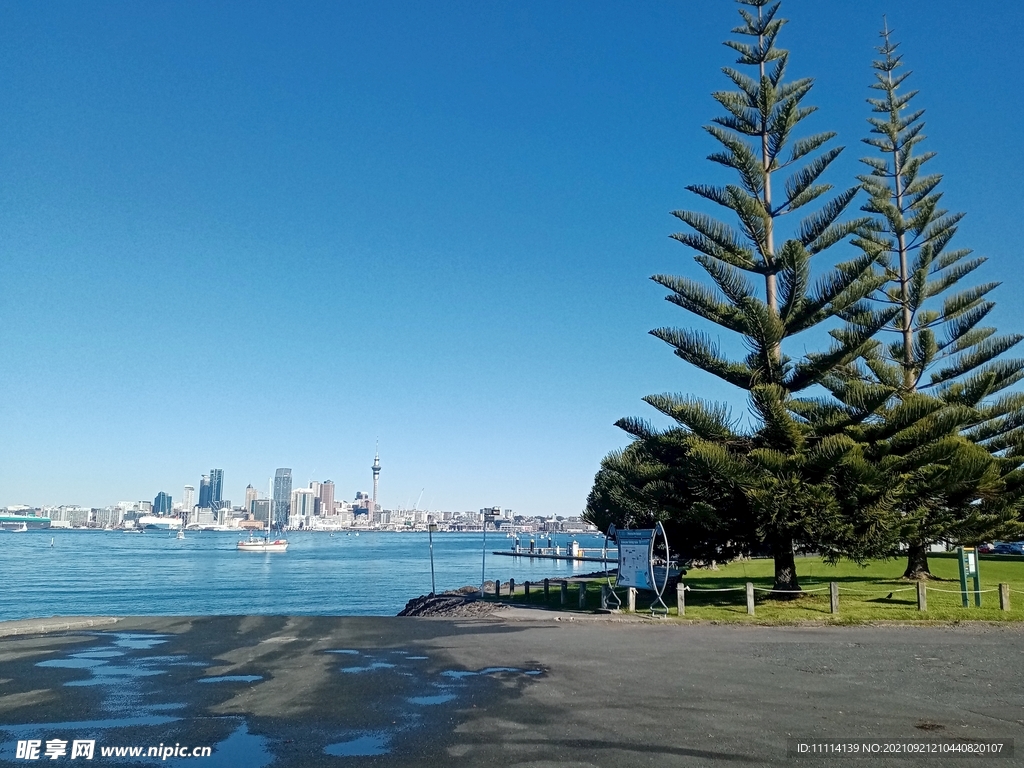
<point>583,594</point>
<point>922,596</point>
<point>497,587</point>
<point>604,597</point>
<point>1004,597</point>
<point>526,591</point>
<point>565,592</point>
<point>631,599</point>
<point>750,598</point>
<point>833,596</point>
<point>511,589</point>
<point>546,585</point>
<point>681,599</point>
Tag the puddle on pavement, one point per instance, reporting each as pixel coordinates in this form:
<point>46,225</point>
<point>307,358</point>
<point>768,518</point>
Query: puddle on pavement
<point>459,674</point>
<point>363,746</point>
<point>97,654</point>
<point>369,667</point>
<point>428,701</point>
<point>241,748</point>
<point>125,700</point>
<point>87,725</point>
<point>112,676</point>
<point>71,663</point>
<point>176,660</point>
<point>137,641</point>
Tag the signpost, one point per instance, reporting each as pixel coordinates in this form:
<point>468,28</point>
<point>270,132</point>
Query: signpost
<point>636,560</point>
<point>968,557</point>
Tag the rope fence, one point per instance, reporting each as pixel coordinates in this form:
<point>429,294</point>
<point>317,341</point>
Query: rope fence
<point>835,589</point>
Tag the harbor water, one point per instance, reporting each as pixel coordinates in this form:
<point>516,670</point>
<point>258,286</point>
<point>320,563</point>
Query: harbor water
<point>110,573</point>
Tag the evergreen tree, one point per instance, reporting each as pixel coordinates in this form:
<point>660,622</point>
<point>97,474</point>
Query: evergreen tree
<point>652,480</point>
<point>953,436</point>
<point>784,464</point>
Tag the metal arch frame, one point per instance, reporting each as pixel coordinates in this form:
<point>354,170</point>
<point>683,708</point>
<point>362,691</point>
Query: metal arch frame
<point>604,556</point>
<point>659,591</point>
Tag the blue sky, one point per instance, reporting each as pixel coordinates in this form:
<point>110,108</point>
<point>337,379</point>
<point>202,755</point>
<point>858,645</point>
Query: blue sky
<point>258,238</point>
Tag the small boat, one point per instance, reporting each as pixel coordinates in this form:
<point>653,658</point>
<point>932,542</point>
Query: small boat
<point>253,544</point>
<point>181,533</point>
<point>20,529</point>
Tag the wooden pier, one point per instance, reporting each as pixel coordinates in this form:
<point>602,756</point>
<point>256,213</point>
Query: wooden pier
<point>549,554</point>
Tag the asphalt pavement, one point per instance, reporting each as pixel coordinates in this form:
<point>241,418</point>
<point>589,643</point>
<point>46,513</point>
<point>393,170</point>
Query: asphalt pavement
<point>519,688</point>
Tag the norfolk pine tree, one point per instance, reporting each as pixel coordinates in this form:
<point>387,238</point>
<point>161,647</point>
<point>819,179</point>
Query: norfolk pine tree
<point>784,464</point>
<point>960,459</point>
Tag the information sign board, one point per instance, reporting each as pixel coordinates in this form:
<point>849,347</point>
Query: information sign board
<point>634,558</point>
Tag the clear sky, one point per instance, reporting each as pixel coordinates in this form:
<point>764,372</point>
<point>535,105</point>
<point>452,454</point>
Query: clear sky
<point>263,235</point>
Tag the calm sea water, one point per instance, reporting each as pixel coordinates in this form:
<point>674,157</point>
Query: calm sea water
<point>112,573</point>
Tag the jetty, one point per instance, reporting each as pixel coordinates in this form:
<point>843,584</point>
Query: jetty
<point>572,552</point>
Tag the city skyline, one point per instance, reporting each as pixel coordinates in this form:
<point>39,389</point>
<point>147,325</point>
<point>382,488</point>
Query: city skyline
<point>248,240</point>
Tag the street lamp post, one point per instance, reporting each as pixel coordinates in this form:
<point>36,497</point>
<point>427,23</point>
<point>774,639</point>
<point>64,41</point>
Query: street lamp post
<point>431,527</point>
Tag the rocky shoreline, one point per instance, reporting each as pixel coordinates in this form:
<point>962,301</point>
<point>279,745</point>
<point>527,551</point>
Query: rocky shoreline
<point>465,601</point>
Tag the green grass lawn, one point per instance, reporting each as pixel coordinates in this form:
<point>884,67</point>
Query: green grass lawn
<point>863,593</point>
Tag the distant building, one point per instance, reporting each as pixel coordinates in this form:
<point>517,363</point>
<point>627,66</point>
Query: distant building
<point>282,495</point>
<point>303,507</point>
<point>250,497</point>
<point>216,488</point>
<point>162,504</point>
<point>326,498</point>
<point>204,492</point>
<point>261,510</point>
<point>188,498</point>
<point>363,505</point>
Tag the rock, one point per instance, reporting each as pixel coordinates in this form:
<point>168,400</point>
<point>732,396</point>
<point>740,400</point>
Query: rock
<point>463,601</point>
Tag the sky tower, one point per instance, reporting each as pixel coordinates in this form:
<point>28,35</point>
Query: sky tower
<point>376,472</point>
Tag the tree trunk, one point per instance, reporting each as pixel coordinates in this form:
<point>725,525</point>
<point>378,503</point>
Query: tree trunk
<point>786,586</point>
<point>917,562</point>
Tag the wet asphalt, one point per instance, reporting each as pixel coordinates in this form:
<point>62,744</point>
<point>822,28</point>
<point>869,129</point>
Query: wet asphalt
<point>515,689</point>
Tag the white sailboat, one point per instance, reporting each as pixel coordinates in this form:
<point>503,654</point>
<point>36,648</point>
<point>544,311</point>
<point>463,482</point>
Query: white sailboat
<point>254,544</point>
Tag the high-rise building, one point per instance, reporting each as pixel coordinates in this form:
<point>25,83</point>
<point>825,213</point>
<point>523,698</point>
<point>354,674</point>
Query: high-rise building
<point>204,492</point>
<point>216,488</point>
<point>162,504</point>
<point>261,510</point>
<point>188,498</point>
<point>282,495</point>
<point>302,503</point>
<point>326,498</point>
<point>376,474</point>
<point>250,497</point>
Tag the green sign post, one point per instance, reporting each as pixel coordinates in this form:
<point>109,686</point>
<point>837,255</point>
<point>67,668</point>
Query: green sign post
<point>968,557</point>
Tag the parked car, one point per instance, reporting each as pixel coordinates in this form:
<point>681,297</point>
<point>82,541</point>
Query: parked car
<point>985,549</point>
<point>1008,548</point>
